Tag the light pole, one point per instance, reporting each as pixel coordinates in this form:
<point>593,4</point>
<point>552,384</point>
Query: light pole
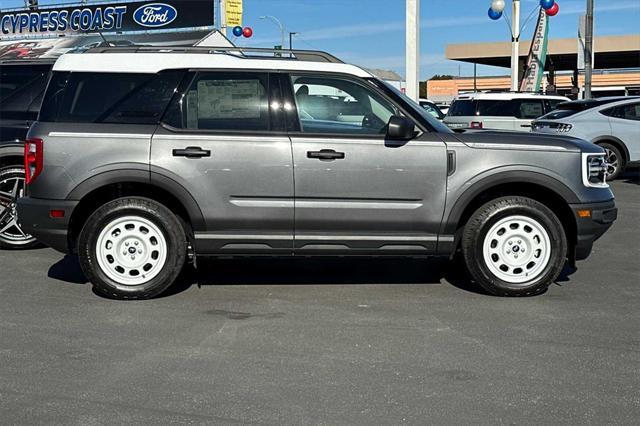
<point>413,49</point>
<point>279,24</point>
<point>588,54</point>
<point>515,47</point>
<point>291,34</point>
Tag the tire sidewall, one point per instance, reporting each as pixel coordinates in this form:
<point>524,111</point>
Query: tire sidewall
<point>15,171</point>
<point>552,226</point>
<point>621,163</point>
<point>168,225</point>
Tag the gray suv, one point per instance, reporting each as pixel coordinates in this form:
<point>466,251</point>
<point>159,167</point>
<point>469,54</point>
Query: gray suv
<point>143,159</point>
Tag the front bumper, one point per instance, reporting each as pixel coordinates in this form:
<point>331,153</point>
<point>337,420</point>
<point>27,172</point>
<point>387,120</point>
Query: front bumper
<point>35,219</point>
<point>592,227</point>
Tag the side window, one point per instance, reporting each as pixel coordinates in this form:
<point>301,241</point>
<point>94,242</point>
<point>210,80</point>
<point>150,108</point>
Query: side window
<point>552,104</point>
<point>340,106</point>
<point>223,101</point>
<point>631,112</point>
<point>495,108</point>
<point>108,98</point>
<point>529,109</point>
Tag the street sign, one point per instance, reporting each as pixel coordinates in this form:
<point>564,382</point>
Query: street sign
<point>234,12</point>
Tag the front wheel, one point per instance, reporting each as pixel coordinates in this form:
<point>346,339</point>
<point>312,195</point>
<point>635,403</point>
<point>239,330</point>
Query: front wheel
<point>132,248</point>
<point>12,185</point>
<point>614,159</point>
<point>514,246</point>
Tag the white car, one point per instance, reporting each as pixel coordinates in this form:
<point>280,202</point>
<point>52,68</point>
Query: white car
<point>503,111</point>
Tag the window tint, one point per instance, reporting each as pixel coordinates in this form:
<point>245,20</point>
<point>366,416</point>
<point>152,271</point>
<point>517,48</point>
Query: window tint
<point>432,109</point>
<point>496,108</point>
<point>335,105</point>
<point>560,113</point>
<point>108,98</point>
<point>552,104</point>
<point>529,109</point>
<point>14,78</point>
<point>462,108</point>
<point>631,112</point>
<point>223,101</point>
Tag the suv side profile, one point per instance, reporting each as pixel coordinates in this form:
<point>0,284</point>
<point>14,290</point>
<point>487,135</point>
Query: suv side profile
<point>143,159</point>
<point>500,111</point>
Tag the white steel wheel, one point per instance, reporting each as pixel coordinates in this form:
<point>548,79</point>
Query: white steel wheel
<point>517,249</point>
<point>131,250</point>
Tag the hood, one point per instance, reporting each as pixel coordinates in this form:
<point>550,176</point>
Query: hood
<point>520,141</point>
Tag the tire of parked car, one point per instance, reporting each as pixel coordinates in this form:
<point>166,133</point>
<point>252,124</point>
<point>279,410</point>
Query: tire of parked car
<point>132,248</point>
<point>615,160</point>
<point>514,246</point>
<point>11,235</point>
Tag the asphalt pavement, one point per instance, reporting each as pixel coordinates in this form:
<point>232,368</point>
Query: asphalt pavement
<point>330,341</point>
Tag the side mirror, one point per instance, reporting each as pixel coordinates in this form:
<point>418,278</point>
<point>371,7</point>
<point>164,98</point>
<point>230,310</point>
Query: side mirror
<point>400,128</point>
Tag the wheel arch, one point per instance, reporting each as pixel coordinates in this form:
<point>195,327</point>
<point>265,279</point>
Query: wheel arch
<point>112,185</point>
<point>617,143</point>
<point>542,188</point>
<point>11,155</point>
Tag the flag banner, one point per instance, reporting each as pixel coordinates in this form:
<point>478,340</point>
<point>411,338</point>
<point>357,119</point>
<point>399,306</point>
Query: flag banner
<point>537,59</point>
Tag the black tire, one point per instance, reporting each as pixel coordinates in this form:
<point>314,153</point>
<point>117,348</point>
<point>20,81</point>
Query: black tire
<point>615,159</point>
<point>158,215</point>
<point>13,238</point>
<point>497,211</point>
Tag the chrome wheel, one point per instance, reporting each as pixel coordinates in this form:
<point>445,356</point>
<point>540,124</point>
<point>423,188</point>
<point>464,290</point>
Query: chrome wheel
<point>11,189</point>
<point>613,162</point>
<point>131,250</point>
<point>517,249</point>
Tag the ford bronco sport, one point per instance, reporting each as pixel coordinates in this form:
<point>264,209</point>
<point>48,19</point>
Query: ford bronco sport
<point>143,159</point>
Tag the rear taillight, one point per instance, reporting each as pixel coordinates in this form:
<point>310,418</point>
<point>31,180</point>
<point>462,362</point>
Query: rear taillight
<point>476,125</point>
<point>33,159</point>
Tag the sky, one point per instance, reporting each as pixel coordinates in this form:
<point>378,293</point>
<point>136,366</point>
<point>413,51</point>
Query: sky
<point>370,33</point>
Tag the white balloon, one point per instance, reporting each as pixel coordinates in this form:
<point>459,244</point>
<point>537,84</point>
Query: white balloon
<point>498,6</point>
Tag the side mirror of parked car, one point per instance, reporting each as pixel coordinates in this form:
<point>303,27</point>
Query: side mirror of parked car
<point>400,128</point>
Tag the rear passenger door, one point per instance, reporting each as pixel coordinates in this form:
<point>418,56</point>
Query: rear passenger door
<point>625,125</point>
<point>527,110</point>
<point>225,145</point>
<point>358,192</point>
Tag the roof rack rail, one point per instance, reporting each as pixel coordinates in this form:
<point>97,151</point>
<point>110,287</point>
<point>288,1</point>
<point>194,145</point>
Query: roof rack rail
<point>243,52</point>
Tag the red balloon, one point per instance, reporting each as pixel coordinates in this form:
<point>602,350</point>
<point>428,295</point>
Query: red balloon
<point>553,11</point>
<point>247,32</point>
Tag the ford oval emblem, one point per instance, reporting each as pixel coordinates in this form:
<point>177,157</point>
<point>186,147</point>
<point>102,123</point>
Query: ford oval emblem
<point>155,15</point>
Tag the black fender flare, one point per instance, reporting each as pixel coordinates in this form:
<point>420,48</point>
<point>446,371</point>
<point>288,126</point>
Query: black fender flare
<point>143,176</point>
<point>611,138</point>
<point>450,225</point>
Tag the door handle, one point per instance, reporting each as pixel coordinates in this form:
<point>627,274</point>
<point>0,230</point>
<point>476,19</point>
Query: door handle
<point>326,155</point>
<point>526,125</point>
<point>192,152</point>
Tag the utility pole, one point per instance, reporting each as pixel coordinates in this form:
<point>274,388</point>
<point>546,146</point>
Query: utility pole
<point>588,47</point>
<point>413,49</point>
<point>515,47</point>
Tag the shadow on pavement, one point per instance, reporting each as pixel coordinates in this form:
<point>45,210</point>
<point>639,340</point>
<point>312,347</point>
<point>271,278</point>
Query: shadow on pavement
<point>299,271</point>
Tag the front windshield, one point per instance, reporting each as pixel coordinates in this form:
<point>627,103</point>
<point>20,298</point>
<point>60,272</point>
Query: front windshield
<point>412,105</point>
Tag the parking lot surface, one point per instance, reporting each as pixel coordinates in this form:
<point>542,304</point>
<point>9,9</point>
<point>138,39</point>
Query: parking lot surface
<point>330,341</point>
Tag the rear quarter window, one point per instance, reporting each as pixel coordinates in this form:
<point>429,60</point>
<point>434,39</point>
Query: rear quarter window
<point>108,97</point>
<point>462,108</point>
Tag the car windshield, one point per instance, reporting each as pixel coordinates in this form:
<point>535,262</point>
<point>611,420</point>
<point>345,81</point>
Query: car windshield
<point>409,103</point>
<point>14,78</point>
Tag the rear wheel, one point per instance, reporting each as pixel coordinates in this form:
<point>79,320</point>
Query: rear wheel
<point>615,161</point>
<point>132,248</point>
<point>514,246</point>
<point>12,186</point>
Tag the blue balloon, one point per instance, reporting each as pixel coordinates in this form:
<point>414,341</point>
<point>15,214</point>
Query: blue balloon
<point>547,4</point>
<point>237,31</point>
<point>494,15</point>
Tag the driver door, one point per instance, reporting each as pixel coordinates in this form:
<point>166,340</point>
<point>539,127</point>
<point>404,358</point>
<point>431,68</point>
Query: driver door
<point>355,190</point>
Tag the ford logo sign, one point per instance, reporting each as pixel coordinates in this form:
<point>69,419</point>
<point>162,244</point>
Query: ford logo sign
<point>155,15</point>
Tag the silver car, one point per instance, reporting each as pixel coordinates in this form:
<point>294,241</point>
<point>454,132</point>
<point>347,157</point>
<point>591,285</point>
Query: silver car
<point>611,123</point>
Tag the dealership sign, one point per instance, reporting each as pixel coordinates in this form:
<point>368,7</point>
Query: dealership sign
<point>108,17</point>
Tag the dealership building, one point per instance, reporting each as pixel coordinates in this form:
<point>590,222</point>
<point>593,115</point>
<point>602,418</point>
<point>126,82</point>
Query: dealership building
<point>617,67</point>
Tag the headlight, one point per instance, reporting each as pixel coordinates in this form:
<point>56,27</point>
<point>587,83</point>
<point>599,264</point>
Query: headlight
<point>594,170</point>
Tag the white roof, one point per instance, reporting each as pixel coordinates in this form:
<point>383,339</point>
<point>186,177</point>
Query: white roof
<point>507,96</point>
<point>144,62</point>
